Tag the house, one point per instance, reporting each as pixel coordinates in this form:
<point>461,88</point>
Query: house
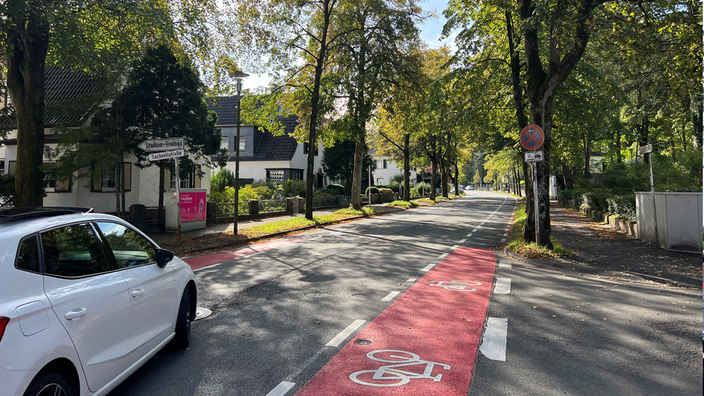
<point>386,169</point>
<point>69,102</point>
<point>263,155</point>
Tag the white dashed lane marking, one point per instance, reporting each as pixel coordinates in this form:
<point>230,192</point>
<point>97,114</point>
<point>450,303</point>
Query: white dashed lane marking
<point>494,341</point>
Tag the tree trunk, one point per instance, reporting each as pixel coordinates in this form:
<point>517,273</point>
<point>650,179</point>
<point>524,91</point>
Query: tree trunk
<point>118,185</point>
<point>443,177</point>
<point>457,177</point>
<point>359,151</point>
<point>26,59</point>
<point>406,167</point>
<point>432,178</point>
<point>567,176</point>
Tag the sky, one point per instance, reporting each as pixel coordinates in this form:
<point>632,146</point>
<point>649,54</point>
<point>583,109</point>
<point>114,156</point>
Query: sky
<point>430,33</point>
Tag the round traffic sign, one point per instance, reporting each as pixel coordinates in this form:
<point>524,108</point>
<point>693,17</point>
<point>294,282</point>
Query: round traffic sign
<point>532,137</point>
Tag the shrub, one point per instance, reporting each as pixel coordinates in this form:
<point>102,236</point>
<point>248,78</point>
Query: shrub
<point>417,190</point>
<point>339,187</point>
<point>393,187</point>
<point>387,193</point>
<point>294,188</point>
<point>373,189</point>
<point>326,192</point>
<point>222,179</point>
<point>623,206</point>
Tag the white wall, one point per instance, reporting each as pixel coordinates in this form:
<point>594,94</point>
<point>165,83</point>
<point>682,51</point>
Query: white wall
<point>392,169</point>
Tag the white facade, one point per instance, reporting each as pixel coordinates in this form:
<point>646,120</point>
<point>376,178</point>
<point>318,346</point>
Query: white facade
<point>143,184</point>
<point>256,170</point>
<point>386,169</point>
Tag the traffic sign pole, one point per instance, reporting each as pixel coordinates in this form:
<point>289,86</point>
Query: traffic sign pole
<point>532,138</point>
<point>536,213</point>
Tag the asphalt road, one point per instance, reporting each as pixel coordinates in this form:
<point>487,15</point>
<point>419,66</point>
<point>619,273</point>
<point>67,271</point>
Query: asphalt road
<point>274,313</point>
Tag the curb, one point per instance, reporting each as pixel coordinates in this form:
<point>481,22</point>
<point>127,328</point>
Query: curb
<point>282,233</point>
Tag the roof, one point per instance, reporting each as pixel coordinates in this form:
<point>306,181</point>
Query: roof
<point>226,107</point>
<point>278,148</point>
<point>68,98</point>
<point>270,147</point>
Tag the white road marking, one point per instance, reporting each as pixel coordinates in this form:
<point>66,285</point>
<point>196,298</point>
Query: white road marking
<point>505,264</point>
<point>442,256</point>
<point>503,239</point>
<point>494,341</point>
<point>345,333</point>
<point>475,230</point>
<point>281,389</point>
<point>454,247</point>
<point>469,235</point>
<point>502,286</point>
<point>428,267</point>
<point>411,280</point>
<point>505,233</point>
<point>390,296</point>
<point>463,240</point>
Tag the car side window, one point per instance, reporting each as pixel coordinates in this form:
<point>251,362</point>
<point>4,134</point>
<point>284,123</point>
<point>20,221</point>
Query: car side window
<point>73,251</point>
<point>28,255</point>
<point>129,248</point>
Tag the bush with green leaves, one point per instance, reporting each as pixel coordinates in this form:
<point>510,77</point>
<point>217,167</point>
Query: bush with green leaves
<point>294,188</point>
<point>387,193</point>
<point>222,179</point>
<point>326,192</point>
<point>417,190</point>
<point>373,189</point>
<point>339,187</point>
<point>622,206</point>
<point>7,190</point>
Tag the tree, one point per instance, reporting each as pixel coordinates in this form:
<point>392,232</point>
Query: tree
<point>85,33</point>
<point>163,98</point>
<point>372,57</point>
<point>338,162</point>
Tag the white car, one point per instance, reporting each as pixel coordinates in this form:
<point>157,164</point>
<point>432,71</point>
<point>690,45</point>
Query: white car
<point>85,300</point>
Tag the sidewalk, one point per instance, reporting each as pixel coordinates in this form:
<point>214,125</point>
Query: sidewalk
<point>601,252</point>
<point>221,228</point>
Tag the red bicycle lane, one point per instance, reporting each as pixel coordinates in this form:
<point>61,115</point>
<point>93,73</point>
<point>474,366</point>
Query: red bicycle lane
<point>425,343</point>
<point>208,260</point>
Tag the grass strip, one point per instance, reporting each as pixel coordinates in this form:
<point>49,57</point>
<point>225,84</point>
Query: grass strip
<point>404,204</point>
<point>529,249</point>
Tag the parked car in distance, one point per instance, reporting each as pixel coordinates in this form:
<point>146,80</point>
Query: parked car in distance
<point>85,300</point>
<point>469,188</point>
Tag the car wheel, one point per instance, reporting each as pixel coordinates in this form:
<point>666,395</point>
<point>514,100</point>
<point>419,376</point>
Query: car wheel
<point>183,323</point>
<point>49,383</point>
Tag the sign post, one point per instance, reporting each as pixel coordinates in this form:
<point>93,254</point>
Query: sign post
<point>532,138</point>
<point>158,148</point>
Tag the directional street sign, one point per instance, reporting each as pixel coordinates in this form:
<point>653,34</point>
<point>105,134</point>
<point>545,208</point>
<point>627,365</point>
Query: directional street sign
<point>154,145</point>
<point>648,148</point>
<point>534,156</point>
<point>165,155</point>
<point>532,137</point>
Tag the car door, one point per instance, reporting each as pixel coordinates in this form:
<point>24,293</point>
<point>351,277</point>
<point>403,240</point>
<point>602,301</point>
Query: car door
<point>90,299</point>
<point>153,290</point>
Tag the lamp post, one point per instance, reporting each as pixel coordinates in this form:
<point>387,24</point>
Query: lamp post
<point>238,76</point>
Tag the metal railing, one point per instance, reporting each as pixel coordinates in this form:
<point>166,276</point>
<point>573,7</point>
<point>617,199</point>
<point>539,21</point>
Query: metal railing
<point>227,209</point>
<point>272,205</point>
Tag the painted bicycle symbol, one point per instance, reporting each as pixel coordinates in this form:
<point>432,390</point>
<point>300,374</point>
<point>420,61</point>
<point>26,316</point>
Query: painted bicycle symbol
<point>456,285</point>
<point>392,375</point>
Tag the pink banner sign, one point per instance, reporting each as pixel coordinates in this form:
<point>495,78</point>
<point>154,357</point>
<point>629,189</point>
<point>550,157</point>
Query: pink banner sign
<point>192,206</point>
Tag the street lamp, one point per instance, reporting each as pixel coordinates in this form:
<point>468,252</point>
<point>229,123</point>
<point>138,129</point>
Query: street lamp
<point>238,76</point>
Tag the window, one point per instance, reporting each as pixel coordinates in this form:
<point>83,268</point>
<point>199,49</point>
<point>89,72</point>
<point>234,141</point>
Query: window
<point>11,167</point>
<point>296,174</point>
<point>2,166</point>
<point>107,181</point>
<point>73,251</point>
<point>225,143</point>
<point>242,143</point>
<point>275,175</point>
<point>305,149</point>
<point>191,181</point>
<point>383,164</point>
<point>28,256</point>
<point>129,248</point>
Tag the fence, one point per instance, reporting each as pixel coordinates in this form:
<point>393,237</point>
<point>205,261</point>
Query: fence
<point>272,205</point>
<point>227,209</point>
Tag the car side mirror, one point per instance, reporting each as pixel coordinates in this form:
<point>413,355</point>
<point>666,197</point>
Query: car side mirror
<point>163,257</point>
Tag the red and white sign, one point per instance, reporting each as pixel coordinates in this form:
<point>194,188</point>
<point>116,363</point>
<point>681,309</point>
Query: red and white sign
<point>425,343</point>
<point>193,206</point>
<point>532,137</point>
